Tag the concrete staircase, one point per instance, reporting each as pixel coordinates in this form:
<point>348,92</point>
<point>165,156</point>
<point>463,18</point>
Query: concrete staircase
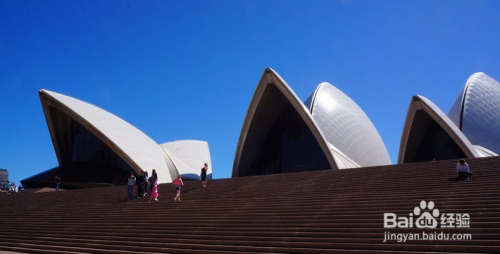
<point>311,212</point>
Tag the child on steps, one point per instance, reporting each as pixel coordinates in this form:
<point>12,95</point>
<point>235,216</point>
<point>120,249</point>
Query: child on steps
<point>154,193</point>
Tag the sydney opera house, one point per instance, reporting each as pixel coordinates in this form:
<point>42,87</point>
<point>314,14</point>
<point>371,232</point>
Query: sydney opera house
<point>280,134</point>
<point>97,148</point>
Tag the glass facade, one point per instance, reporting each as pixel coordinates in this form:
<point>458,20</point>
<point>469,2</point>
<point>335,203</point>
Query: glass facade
<point>279,141</point>
<point>430,141</point>
<point>83,156</point>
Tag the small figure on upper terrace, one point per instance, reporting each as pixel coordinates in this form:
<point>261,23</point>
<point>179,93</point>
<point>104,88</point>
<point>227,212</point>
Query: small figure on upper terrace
<point>58,182</point>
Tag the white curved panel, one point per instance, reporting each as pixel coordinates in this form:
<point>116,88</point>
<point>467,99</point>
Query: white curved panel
<point>135,147</point>
<point>342,160</point>
<point>480,111</point>
<point>484,151</point>
<point>455,113</point>
<point>170,165</point>
<point>345,125</point>
<point>189,156</point>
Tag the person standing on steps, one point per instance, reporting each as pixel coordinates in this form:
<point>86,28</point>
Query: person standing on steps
<point>154,193</point>
<point>178,183</point>
<point>146,179</point>
<point>153,179</point>
<point>463,170</point>
<point>130,185</point>
<point>203,175</point>
<point>58,182</point>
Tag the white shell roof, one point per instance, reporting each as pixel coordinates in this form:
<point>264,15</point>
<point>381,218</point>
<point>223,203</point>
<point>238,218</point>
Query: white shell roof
<point>135,147</point>
<point>421,103</point>
<point>342,160</point>
<point>272,77</point>
<point>485,152</point>
<point>189,156</point>
<point>346,126</point>
<point>477,111</point>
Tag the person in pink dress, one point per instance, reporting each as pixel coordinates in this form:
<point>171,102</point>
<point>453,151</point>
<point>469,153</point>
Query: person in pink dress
<point>178,183</point>
<point>154,192</point>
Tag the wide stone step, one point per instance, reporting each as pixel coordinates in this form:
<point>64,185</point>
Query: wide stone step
<point>97,246</point>
<point>310,212</point>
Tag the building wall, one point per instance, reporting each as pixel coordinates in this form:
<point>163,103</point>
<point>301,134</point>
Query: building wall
<point>4,174</point>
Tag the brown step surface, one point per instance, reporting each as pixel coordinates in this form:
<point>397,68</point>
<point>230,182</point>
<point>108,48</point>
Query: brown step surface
<point>310,212</point>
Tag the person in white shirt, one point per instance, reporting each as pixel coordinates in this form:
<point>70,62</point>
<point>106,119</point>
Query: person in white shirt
<point>463,170</point>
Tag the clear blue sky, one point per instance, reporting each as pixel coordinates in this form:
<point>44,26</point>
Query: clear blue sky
<point>188,69</point>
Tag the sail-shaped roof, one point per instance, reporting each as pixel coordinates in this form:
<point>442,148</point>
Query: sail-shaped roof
<point>346,127</point>
<point>188,157</point>
<point>429,134</point>
<point>476,111</point>
<point>138,150</point>
<point>279,134</point>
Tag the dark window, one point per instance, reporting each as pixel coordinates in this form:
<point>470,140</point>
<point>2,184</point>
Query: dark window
<point>428,141</point>
<point>83,156</point>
